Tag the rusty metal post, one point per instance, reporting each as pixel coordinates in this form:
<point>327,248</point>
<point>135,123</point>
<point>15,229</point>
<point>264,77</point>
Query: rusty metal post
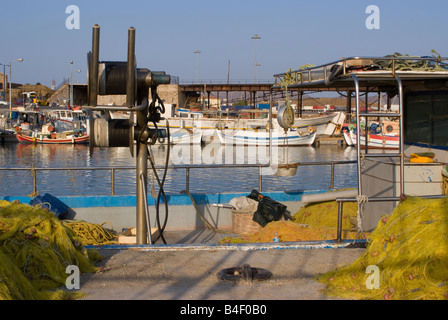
<point>93,83</point>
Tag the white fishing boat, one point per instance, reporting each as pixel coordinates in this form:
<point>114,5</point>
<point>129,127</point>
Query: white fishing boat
<point>184,136</point>
<point>326,124</point>
<point>278,137</point>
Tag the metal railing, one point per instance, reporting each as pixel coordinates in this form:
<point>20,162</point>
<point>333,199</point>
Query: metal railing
<point>188,168</point>
<point>321,72</point>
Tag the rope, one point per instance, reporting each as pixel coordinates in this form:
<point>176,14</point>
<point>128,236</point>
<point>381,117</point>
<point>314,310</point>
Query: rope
<point>91,233</point>
<point>361,200</point>
<point>207,224</point>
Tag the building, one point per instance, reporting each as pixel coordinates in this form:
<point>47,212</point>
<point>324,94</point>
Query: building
<point>3,86</point>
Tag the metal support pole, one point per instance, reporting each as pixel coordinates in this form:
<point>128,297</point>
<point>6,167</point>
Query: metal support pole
<point>339,231</point>
<point>358,136</point>
<point>142,150</point>
<point>93,81</point>
<point>366,120</point>
<point>112,181</point>
<point>332,176</point>
<point>400,90</point>
<point>187,178</point>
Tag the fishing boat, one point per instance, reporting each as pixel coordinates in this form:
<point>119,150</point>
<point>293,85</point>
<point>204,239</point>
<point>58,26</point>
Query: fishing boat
<point>384,135</point>
<point>209,123</point>
<point>7,136</point>
<point>278,138</point>
<point>66,120</point>
<point>184,136</point>
<point>64,127</point>
<point>74,137</point>
<point>385,178</point>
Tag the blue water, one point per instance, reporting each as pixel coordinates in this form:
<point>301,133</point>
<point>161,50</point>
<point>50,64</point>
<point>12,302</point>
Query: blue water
<point>209,180</point>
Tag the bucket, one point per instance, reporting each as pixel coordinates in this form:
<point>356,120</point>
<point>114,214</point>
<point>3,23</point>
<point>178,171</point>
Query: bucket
<point>287,170</point>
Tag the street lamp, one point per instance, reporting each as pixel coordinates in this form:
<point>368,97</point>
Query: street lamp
<point>71,84</point>
<point>197,52</point>
<point>255,37</point>
<point>72,101</point>
<point>10,87</point>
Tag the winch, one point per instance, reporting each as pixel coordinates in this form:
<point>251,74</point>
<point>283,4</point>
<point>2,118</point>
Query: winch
<point>140,87</point>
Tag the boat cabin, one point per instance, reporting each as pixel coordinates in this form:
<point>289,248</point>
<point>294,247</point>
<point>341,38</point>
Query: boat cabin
<point>420,84</point>
<point>69,120</point>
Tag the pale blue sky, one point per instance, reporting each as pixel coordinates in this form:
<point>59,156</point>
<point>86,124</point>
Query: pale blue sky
<point>292,32</point>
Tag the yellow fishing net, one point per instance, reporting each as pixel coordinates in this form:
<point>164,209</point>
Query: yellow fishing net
<point>409,251</point>
<point>313,222</point>
<point>35,250</point>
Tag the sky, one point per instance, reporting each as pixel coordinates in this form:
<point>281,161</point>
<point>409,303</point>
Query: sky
<point>293,33</point>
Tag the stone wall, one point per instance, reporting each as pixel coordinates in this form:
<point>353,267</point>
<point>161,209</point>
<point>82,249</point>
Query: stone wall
<point>171,94</point>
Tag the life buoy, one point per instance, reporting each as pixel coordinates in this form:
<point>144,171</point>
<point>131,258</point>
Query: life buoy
<point>285,117</point>
<point>161,139</point>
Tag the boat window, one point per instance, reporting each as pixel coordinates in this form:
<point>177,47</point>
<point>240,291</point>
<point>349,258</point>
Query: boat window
<point>426,118</point>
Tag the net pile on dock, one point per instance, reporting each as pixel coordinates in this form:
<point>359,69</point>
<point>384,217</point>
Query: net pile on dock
<point>35,250</point>
<point>325,215</point>
<point>409,249</point>
<point>313,222</point>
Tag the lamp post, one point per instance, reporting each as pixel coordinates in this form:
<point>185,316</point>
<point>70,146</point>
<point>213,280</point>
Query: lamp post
<point>71,84</point>
<point>10,87</point>
<point>197,52</point>
<point>4,81</point>
<point>255,37</point>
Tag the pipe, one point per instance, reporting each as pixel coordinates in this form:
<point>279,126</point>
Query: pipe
<point>400,90</point>
<point>93,72</point>
<point>142,151</point>
<point>145,192</point>
<point>131,72</point>
<point>329,196</point>
<point>358,136</point>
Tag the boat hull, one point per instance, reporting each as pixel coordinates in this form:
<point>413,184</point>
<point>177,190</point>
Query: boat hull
<point>70,140</point>
<point>249,137</point>
<point>377,141</point>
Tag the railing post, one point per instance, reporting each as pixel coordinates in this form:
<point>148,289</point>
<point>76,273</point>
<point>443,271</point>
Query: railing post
<point>339,231</point>
<point>260,179</point>
<point>34,174</point>
<point>332,176</point>
<point>112,181</point>
<point>187,178</point>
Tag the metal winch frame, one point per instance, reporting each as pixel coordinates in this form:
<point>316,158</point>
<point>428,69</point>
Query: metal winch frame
<point>140,87</point>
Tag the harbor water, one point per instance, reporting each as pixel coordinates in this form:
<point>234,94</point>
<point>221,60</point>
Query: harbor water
<point>122,181</point>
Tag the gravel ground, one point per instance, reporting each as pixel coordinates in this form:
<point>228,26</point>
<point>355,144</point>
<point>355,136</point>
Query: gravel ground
<point>192,274</point>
